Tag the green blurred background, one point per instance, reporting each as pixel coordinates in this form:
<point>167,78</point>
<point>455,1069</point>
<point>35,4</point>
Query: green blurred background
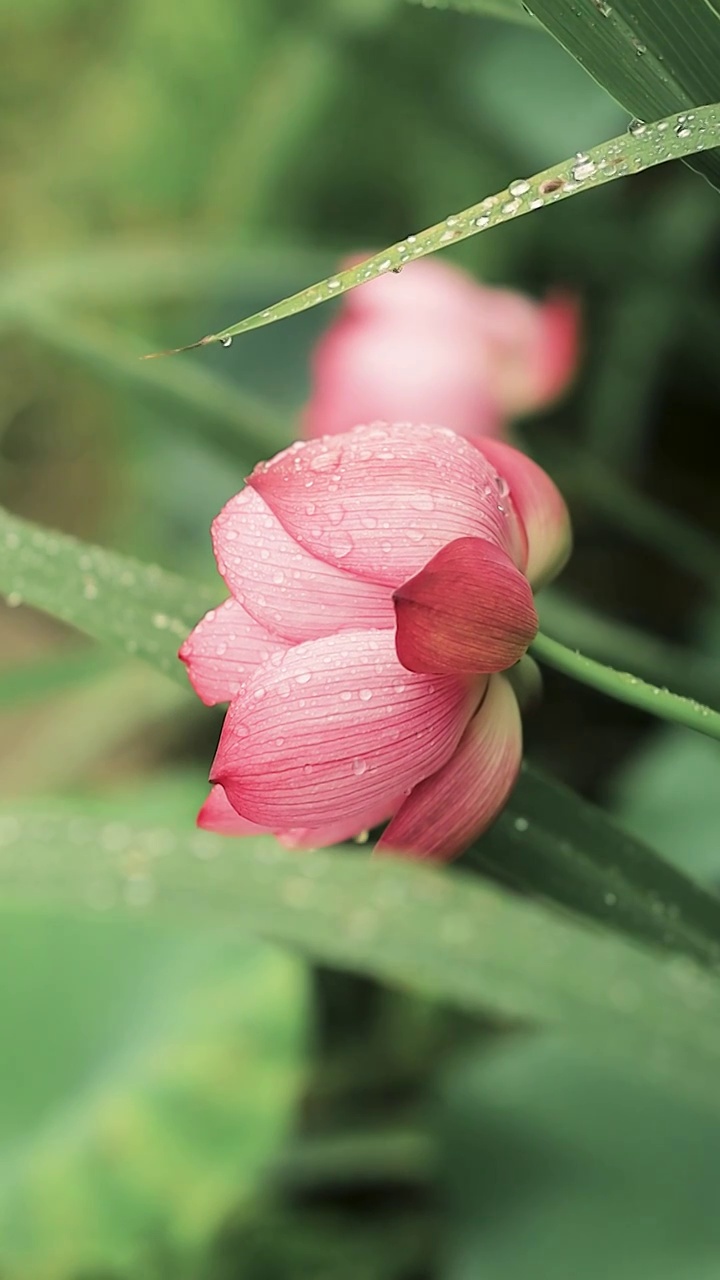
<point>171,1107</point>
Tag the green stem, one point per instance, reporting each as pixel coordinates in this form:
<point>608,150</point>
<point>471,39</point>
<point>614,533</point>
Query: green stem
<point>626,687</point>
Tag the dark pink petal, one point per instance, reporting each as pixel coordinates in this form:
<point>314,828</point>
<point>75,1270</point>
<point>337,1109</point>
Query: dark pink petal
<point>468,610</point>
<point>336,729</point>
<point>287,589</point>
<point>445,812</point>
<point>217,814</point>
<point>540,506</point>
<point>385,499</point>
<point>225,647</point>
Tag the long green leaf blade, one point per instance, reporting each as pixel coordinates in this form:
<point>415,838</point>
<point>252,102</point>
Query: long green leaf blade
<point>669,139</point>
<point>466,942</point>
<point>654,56</point>
<point>551,843</point>
<point>508,10</point>
<point>136,608</point>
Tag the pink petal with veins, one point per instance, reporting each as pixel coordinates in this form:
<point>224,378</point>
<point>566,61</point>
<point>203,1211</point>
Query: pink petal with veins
<point>469,610</point>
<point>387,498</point>
<point>445,812</point>
<point>540,506</point>
<point>281,584</point>
<point>334,729</point>
<point>224,649</point>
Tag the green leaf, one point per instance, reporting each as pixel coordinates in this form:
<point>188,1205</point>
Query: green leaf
<point>551,843</point>
<point>654,56</point>
<point>667,139</point>
<point>442,933</point>
<point>556,1167</point>
<point>147,1080</point>
<point>136,608</point>
<point>668,794</point>
<point>509,10</point>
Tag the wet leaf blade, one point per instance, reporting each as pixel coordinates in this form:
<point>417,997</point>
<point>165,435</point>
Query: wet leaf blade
<point>653,56</point>
<point>446,933</point>
<point>667,139</point>
<point>508,10</point>
<point>136,608</point>
<point>553,844</point>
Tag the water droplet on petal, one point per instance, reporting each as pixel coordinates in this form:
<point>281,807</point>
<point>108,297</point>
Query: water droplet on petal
<point>359,767</point>
<point>341,544</point>
<point>365,695</point>
<point>304,677</point>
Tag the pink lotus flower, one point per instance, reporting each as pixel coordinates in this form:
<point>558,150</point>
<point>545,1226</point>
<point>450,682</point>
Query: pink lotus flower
<point>432,345</point>
<point>381,581</point>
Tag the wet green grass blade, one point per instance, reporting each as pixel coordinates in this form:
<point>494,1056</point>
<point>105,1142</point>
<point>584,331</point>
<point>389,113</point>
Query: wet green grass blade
<point>654,56</point>
<point>448,934</point>
<point>508,10</point>
<point>136,608</point>
<point>551,843</point>
<point>668,139</point>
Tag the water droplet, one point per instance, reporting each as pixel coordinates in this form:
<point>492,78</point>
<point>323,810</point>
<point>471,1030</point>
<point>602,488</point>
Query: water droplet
<point>365,695</point>
<point>502,486</point>
<point>603,8</point>
<point>259,692</point>
<point>359,767</point>
<point>369,522</point>
<point>346,696</point>
<point>521,824</point>
<point>304,677</point>
<point>510,207</point>
<point>307,769</point>
<point>585,169</point>
<point>226,342</point>
<point>637,128</point>
<point>482,221</point>
<point>340,544</point>
<point>278,577</point>
<point>683,131</point>
<point>639,48</point>
<point>519,187</point>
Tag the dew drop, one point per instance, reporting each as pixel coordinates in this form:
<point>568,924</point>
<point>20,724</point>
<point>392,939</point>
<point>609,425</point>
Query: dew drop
<point>359,767</point>
<point>519,187</point>
<point>226,342</point>
<point>341,544</point>
<point>365,695</point>
<point>683,131</point>
<point>502,486</point>
<point>304,677</point>
<point>585,169</point>
<point>637,128</point>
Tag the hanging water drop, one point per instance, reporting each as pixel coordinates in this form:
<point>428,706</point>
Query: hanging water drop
<point>226,342</point>
<point>637,128</point>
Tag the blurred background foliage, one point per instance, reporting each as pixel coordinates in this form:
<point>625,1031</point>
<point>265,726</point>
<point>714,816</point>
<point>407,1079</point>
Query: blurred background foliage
<point>177,1107</point>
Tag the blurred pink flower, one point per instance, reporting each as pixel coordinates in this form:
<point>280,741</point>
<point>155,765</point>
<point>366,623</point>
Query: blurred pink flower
<point>432,345</point>
<point>381,579</point>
